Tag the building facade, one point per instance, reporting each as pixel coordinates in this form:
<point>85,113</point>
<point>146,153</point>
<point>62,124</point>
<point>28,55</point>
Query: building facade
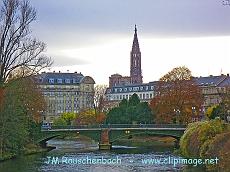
<point>213,87</point>
<point>65,92</point>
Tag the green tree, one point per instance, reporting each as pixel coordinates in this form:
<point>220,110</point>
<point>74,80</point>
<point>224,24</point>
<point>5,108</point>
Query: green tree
<point>134,100</point>
<point>144,112</point>
<point>68,117</point>
<point>130,111</point>
<point>65,119</point>
<point>13,121</point>
<point>59,122</point>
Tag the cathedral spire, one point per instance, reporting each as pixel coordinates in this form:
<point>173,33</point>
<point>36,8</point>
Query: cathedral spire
<point>135,46</point>
<point>135,60</point>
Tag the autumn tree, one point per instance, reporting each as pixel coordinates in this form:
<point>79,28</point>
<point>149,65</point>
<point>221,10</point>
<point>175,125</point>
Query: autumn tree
<point>17,47</point>
<point>19,115</point>
<point>86,117</point>
<point>99,98</point>
<point>178,97</point>
<point>222,110</point>
<point>65,119</point>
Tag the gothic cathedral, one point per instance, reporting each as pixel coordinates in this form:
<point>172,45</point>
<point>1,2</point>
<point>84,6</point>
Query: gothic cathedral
<point>135,67</point>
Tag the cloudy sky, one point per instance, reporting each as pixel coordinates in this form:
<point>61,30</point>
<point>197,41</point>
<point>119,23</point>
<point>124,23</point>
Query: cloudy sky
<point>95,36</point>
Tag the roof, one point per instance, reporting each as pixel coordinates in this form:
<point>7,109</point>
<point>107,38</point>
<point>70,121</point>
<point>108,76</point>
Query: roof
<point>226,82</point>
<point>63,78</point>
<point>210,80</point>
<point>221,81</point>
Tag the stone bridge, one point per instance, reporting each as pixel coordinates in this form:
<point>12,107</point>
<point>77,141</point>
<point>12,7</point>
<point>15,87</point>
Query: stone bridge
<point>107,134</point>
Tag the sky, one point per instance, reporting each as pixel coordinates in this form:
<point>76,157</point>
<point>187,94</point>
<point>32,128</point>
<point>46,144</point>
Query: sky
<point>94,37</point>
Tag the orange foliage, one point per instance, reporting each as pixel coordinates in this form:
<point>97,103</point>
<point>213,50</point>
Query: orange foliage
<point>181,96</point>
<point>100,118</point>
<point>176,93</point>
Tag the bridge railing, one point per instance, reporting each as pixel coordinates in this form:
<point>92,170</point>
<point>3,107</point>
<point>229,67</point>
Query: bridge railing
<point>116,126</point>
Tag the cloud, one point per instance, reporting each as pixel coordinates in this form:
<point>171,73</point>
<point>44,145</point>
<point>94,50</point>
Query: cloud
<point>67,61</point>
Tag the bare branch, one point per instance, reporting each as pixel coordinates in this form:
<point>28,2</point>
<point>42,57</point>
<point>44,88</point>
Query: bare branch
<point>17,47</point>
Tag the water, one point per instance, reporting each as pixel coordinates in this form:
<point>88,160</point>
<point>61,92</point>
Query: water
<point>128,158</point>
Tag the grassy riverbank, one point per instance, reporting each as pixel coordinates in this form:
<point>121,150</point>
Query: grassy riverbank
<point>148,141</point>
<point>207,140</point>
<point>27,150</point>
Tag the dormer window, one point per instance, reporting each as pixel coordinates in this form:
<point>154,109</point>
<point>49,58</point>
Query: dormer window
<point>51,81</point>
<point>67,81</point>
<point>59,81</point>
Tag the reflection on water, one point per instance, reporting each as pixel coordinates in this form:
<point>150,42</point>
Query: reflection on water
<point>131,159</point>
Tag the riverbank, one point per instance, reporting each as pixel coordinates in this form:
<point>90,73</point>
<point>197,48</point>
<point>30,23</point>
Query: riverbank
<point>29,149</point>
<point>147,141</point>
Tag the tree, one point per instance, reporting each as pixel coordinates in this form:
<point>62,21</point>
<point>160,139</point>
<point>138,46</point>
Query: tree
<point>130,111</point>
<point>222,110</point>
<point>60,122</point>
<point>178,97</point>
<point>68,117</point>
<point>225,104</point>
<point>86,117</point>
<point>210,112</point>
<point>17,47</point>
<point>99,98</point>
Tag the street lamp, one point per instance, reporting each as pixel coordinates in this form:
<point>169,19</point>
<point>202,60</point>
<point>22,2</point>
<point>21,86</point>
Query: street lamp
<point>177,111</point>
<point>193,114</point>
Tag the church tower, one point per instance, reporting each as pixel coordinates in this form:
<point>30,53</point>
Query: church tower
<point>135,61</point>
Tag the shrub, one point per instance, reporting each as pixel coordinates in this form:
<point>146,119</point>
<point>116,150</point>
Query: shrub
<point>197,134</point>
<point>219,147</point>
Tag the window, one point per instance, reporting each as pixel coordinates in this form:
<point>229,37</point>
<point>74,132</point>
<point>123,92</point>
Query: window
<point>151,96</point>
<point>51,81</point>
<point>147,96</point>
<point>67,81</point>
<point>59,81</point>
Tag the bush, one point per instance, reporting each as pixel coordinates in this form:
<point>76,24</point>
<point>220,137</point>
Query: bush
<point>219,147</point>
<point>197,134</point>
<point>209,139</point>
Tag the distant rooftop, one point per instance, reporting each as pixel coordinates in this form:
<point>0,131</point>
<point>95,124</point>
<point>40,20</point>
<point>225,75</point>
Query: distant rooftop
<point>62,78</point>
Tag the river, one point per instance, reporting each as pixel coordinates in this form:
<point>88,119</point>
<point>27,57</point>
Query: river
<point>82,156</point>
